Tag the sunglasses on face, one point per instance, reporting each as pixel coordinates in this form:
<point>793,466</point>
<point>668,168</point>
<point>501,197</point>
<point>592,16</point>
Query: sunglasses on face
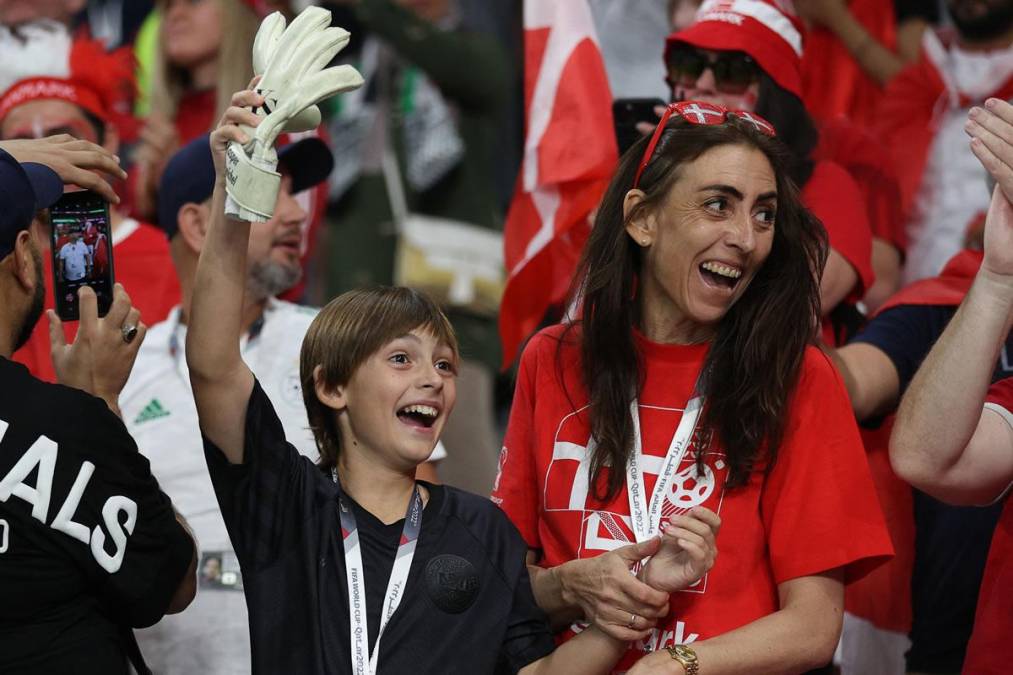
<point>698,112</point>
<point>733,71</point>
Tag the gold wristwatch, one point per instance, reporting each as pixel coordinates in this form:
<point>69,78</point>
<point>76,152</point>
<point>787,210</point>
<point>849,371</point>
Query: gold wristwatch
<point>686,658</point>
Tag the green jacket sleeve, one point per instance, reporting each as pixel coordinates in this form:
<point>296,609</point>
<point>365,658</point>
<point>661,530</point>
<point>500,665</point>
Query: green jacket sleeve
<point>471,69</point>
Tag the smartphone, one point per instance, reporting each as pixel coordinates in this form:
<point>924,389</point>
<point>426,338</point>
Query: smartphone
<point>627,113</point>
<point>81,242</point>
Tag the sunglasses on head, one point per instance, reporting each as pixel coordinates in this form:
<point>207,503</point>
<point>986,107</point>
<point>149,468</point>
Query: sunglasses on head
<point>733,71</point>
<point>698,112</point>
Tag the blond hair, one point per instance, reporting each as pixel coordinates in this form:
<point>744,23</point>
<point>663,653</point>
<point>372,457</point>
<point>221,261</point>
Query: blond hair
<point>170,83</point>
<point>346,332</point>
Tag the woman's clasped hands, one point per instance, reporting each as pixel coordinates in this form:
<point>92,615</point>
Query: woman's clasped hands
<point>628,606</point>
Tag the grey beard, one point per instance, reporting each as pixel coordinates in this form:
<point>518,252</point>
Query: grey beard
<point>268,279</point>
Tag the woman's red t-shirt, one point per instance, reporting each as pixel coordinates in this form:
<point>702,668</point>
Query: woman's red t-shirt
<point>815,511</point>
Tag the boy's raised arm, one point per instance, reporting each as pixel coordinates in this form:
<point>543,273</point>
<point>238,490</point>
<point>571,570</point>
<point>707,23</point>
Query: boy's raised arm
<point>221,381</point>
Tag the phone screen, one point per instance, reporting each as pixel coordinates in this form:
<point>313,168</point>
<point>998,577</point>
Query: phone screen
<point>82,248</point>
<point>627,113</point>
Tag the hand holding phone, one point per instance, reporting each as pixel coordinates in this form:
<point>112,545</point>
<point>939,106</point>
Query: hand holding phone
<point>627,113</point>
<point>82,250</point>
<point>102,354</point>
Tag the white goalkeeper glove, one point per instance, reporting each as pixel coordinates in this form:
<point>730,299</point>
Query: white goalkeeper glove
<point>265,44</point>
<point>295,78</point>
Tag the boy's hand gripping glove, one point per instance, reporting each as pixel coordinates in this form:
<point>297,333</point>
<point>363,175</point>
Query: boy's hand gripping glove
<point>295,79</point>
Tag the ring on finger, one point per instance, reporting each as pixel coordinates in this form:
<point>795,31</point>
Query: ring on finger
<point>633,621</point>
<point>129,333</point>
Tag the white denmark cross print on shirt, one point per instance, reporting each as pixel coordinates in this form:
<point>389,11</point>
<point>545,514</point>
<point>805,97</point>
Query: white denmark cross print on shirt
<point>562,450</point>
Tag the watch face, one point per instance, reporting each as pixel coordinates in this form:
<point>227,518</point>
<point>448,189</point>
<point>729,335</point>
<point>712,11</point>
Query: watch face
<point>686,653</point>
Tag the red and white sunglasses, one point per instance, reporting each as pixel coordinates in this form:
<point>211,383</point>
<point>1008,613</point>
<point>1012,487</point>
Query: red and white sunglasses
<point>698,112</point>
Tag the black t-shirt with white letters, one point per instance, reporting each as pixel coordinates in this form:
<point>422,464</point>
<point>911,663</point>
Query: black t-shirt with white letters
<point>89,545</point>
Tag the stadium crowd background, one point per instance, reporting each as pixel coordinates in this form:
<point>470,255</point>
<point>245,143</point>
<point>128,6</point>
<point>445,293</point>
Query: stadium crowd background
<point>878,100</point>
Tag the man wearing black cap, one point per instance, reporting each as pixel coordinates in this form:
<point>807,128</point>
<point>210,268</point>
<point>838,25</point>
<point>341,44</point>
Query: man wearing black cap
<point>89,545</point>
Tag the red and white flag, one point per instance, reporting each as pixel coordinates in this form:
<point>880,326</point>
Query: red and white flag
<point>569,155</point>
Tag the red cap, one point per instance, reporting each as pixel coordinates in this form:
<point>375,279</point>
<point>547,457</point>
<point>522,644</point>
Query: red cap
<point>100,82</point>
<point>764,29</point>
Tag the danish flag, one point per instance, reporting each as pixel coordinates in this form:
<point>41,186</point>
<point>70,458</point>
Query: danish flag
<point>569,155</point>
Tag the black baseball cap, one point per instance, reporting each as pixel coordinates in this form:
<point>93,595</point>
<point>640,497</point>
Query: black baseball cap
<point>189,177</point>
<point>24,189</point>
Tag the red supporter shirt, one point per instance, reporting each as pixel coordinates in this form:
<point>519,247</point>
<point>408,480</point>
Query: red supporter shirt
<point>816,511</point>
<point>990,651</point>
<point>835,198</point>
<point>141,262</point>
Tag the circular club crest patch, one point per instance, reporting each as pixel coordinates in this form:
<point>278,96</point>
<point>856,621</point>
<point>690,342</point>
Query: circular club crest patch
<point>452,583</point>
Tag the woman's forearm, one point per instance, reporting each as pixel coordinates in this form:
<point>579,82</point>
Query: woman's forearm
<point>782,642</point>
<point>801,636</point>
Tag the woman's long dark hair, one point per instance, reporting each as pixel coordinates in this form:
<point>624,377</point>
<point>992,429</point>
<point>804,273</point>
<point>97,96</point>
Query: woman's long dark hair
<point>755,359</point>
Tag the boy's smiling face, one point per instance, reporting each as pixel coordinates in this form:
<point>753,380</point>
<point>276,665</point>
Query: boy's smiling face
<point>395,405</point>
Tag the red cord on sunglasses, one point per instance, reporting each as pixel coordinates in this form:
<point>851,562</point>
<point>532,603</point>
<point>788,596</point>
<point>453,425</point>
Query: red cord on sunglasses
<point>698,112</point>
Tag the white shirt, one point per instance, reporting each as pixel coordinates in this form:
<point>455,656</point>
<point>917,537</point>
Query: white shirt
<point>212,635</point>
<point>74,256</point>
<point>953,190</point>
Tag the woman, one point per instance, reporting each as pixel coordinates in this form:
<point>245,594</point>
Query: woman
<point>749,58</point>
<point>698,311</point>
<point>202,56</point>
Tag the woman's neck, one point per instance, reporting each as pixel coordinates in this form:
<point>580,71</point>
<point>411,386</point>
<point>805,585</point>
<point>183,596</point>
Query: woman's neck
<point>665,324</point>
<point>382,491</point>
<point>204,75</point>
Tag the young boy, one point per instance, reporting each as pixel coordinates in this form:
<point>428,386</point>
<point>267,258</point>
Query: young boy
<point>423,578</point>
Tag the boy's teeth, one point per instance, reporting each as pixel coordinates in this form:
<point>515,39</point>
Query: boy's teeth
<point>422,410</point>
<point>723,270</point>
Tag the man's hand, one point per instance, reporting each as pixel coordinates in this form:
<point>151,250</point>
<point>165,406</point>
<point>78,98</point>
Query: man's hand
<point>610,596</point>
<point>688,550</point>
<point>101,356</point>
<point>991,131</point>
<point>73,160</point>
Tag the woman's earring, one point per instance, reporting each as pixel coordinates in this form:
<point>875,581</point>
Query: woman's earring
<point>643,242</point>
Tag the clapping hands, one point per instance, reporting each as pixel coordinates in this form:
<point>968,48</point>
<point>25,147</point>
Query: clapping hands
<point>991,131</point>
<point>687,552</point>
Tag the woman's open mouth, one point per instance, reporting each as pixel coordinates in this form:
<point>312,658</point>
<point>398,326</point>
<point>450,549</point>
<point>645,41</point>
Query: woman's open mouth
<point>720,275</point>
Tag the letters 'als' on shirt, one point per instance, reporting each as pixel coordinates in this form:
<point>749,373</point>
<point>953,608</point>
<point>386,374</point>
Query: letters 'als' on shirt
<point>468,606</point>
<point>990,650</point>
<point>816,510</point>
<point>75,563</point>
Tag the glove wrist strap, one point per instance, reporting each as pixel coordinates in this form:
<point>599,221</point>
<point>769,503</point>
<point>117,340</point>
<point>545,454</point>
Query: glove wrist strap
<point>251,184</point>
